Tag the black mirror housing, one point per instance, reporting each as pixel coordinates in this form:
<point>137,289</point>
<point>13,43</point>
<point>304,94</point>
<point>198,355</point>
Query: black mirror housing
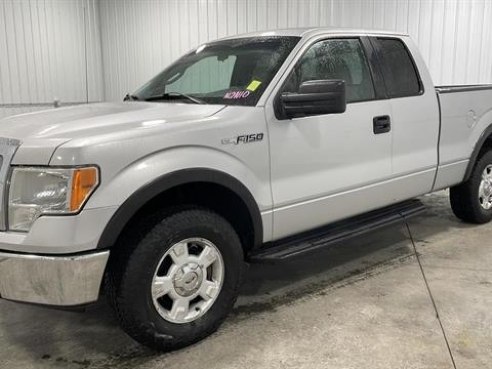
<point>315,98</point>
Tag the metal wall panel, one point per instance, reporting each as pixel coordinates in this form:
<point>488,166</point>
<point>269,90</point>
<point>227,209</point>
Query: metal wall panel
<point>141,37</point>
<point>50,49</point>
<point>60,48</point>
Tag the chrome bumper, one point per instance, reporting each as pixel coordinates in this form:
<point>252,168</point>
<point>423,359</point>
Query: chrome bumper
<point>65,280</point>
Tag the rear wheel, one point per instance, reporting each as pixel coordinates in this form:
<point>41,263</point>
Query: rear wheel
<point>471,201</point>
<point>177,283</point>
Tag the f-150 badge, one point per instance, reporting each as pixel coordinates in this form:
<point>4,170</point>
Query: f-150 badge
<point>254,137</point>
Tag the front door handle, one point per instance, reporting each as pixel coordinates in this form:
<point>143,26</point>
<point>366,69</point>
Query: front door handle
<point>381,124</point>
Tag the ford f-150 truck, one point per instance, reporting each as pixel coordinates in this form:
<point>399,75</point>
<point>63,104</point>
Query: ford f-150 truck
<point>254,147</point>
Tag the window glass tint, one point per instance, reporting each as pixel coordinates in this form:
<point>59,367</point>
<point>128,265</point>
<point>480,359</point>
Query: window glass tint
<point>335,59</point>
<point>399,73</point>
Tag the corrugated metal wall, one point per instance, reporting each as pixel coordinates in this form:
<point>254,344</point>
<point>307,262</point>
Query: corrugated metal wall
<point>90,50</point>
<point>48,49</point>
<point>141,37</point>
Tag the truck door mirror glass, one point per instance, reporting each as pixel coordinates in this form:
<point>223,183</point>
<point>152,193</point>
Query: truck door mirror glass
<point>314,98</point>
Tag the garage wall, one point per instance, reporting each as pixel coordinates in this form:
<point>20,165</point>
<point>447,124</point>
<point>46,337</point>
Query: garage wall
<point>92,50</point>
<point>141,37</point>
<point>48,49</point>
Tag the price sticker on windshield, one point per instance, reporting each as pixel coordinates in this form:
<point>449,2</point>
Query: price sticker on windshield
<point>253,85</point>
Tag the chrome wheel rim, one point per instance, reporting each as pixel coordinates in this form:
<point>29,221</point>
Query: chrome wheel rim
<point>187,280</point>
<point>485,188</point>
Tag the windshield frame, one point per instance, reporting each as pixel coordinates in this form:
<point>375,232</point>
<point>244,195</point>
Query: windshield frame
<point>291,44</point>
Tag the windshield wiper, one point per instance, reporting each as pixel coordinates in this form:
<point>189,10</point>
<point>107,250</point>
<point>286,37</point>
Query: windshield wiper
<point>175,95</point>
<point>129,97</point>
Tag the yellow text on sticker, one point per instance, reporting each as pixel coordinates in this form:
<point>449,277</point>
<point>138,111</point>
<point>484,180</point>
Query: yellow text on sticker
<point>253,85</point>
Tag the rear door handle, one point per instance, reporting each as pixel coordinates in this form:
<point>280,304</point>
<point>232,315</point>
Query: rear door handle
<point>381,124</point>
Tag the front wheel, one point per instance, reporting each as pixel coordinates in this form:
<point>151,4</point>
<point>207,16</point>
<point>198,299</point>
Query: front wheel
<point>471,201</point>
<point>179,281</point>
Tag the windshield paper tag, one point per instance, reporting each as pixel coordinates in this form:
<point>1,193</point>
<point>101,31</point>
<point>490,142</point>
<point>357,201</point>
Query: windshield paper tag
<point>253,85</point>
<point>235,95</point>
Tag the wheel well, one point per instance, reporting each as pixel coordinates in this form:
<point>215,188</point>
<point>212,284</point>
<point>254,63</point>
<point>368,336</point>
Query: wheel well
<point>213,196</point>
<point>483,145</point>
<point>486,146</point>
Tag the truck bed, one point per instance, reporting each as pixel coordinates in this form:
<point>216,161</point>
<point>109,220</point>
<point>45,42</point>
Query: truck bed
<point>466,111</point>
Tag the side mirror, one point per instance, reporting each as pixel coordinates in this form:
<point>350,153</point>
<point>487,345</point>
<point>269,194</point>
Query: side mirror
<point>314,98</point>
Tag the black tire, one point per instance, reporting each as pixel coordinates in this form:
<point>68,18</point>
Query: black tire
<point>135,260</point>
<point>464,198</point>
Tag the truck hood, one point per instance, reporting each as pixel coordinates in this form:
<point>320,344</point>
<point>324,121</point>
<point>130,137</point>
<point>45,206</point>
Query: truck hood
<point>83,121</point>
<point>41,133</point>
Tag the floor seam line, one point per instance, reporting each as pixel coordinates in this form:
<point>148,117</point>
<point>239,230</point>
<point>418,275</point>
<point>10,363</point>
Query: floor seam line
<point>429,291</point>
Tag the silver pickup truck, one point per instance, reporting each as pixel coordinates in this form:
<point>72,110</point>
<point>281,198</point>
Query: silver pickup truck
<point>254,147</point>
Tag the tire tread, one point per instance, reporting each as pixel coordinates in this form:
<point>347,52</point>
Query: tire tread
<point>122,268</point>
<point>464,197</point>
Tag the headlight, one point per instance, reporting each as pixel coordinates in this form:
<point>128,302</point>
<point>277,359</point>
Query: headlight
<point>37,191</point>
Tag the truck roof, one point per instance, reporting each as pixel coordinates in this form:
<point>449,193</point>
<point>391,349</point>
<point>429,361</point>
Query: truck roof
<point>313,31</point>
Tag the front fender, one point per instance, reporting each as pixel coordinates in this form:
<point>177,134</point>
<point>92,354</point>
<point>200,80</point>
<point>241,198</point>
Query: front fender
<point>117,188</point>
<point>139,182</point>
<point>167,181</point>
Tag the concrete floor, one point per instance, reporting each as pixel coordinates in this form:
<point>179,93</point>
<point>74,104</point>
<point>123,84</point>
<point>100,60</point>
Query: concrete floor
<point>363,304</point>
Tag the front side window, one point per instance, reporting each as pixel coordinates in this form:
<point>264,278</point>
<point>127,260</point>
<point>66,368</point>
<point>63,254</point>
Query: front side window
<point>399,72</point>
<point>335,59</point>
<point>231,72</point>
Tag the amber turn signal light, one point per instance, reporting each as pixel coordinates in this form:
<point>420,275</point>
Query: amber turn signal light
<point>84,181</point>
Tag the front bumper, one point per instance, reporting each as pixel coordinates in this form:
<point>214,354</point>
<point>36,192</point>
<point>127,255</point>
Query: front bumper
<point>64,280</point>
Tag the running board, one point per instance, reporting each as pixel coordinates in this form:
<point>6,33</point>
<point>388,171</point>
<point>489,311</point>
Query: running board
<point>335,233</point>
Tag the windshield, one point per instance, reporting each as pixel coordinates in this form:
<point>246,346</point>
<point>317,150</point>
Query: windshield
<point>232,72</point>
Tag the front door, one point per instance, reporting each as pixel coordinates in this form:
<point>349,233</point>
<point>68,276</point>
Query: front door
<point>329,167</point>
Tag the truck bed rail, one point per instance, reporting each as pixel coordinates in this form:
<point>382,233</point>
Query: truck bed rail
<point>462,88</point>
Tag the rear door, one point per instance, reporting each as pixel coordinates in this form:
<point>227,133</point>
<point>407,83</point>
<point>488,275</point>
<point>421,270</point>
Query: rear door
<point>415,113</point>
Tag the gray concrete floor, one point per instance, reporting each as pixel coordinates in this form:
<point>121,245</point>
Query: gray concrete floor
<point>364,304</point>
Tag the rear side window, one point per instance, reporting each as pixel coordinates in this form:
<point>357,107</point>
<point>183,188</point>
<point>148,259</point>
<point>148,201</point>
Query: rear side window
<point>399,72</point>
